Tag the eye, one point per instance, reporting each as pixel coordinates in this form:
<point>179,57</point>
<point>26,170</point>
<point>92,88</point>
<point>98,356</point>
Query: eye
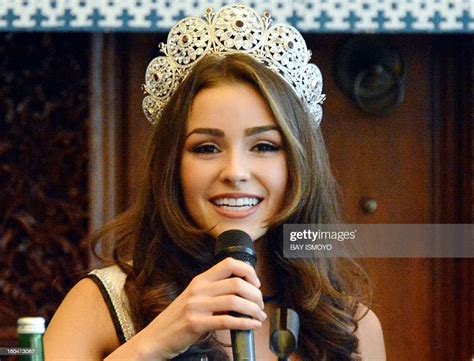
<point>205,149</point>
<point>266,147</point>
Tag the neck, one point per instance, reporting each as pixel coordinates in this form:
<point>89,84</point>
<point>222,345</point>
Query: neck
<point>263,269</point>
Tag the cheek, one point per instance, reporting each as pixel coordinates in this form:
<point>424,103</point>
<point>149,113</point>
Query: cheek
<point>283,183</point>
<point>277,179</point>
<point>189,184</point>
<point>195,179</point>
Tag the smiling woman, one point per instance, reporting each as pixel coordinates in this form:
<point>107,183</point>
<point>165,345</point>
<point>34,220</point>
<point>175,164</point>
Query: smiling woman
<point>236,145</point>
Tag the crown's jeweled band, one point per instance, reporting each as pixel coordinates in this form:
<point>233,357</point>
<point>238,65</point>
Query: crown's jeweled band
<point>235,28</point>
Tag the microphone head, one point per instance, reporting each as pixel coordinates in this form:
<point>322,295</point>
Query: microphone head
<point>236,244</point>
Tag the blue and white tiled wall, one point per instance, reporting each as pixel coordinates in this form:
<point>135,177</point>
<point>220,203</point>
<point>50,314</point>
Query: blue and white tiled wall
<point>316,16</point>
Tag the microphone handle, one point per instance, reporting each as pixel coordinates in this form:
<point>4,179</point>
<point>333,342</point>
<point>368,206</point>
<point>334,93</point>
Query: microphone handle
<point>238,245</point>
<point>243,345</point>
<point>243,342</point>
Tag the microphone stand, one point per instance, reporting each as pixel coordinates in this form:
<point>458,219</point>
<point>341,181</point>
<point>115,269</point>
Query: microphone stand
<point>284,329</point>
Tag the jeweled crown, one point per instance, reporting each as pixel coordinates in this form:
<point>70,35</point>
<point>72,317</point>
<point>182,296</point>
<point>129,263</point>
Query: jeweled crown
<point>234,29</point>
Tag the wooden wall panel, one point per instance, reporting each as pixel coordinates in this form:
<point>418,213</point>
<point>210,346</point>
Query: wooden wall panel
<point>387,159</point>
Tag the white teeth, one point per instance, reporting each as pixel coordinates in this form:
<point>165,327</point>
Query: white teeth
<point>235,208</point>
<point>236,202</point>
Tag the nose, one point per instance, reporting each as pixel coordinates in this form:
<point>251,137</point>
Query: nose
<point>235,168</point>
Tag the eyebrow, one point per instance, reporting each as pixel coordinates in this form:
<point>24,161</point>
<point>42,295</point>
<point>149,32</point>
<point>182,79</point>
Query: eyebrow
<point>257,130</point>
<point>219,133</point>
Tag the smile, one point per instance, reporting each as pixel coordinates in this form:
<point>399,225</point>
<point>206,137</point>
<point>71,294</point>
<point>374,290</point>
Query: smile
<point>236,207</point>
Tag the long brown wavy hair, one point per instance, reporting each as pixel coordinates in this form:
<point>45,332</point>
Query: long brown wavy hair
<point>167,249</point>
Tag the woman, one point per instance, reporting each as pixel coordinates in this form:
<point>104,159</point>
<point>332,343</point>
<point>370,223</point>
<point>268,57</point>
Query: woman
<point>236,145</point>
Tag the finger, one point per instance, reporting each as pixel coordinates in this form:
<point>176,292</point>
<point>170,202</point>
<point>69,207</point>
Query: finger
<point>229,303</point>
<point>232,267</point>
<point>236,286</point>
<point>227,322</point>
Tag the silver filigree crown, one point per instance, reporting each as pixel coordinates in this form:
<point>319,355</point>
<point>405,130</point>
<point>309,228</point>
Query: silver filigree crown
<point>234,29</point>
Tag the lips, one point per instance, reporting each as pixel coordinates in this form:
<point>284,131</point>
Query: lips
<point>236,205</point>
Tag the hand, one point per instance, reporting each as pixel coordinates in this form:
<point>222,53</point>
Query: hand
<point>203,307</point>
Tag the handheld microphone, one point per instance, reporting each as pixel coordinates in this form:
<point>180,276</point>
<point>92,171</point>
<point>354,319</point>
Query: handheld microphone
<point>238,244</point>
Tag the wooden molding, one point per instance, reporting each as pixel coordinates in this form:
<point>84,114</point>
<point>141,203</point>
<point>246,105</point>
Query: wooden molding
<point>105,131</point>
<point>452,118</point>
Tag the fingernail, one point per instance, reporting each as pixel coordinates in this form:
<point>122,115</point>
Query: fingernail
<point>263,316</point>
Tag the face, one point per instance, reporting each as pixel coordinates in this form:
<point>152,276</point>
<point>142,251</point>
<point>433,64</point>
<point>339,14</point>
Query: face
<point>233,168</point>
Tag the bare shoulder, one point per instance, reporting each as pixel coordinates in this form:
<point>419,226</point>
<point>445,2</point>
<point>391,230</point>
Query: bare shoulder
<point>370,335</point>
<point>81,327</point>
